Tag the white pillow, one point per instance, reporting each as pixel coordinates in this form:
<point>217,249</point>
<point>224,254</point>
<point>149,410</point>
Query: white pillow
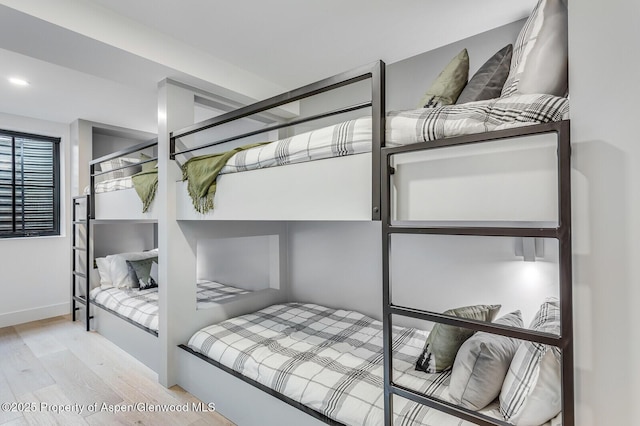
<point>539,63</point>
<point>119,270</point>
<point>104,271</point>
<point>532,390</point>
<point>154,271</point>
<point>482,364</point>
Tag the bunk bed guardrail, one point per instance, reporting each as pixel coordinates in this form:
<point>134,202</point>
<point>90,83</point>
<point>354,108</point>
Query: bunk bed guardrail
<point>562,232</point>
<point>375,72</point>
<point>93,173</point>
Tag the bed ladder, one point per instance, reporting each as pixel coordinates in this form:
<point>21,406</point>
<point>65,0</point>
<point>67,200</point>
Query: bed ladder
<point>79,245</point>
<point>562,233</point>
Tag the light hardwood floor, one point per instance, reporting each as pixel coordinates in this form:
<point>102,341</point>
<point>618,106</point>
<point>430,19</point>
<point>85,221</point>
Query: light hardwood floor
<point>49,364</point>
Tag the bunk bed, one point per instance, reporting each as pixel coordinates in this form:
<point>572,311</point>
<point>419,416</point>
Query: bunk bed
<point>244,356</point>
<point>114,177</point>
<point>127,312</point>
<point>300,363</point>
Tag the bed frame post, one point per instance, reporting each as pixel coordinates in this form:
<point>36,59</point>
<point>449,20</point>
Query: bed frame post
<point>378,115</point>
<point>566,278</point>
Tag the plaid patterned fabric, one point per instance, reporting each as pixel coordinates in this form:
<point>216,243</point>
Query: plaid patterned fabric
<point>404,127</point>
<point>141,306</point>
<point>209,293</point>
<point>113,185</point>
<point>349,137</point>
<point>329,360</point>
<point>525,367</point>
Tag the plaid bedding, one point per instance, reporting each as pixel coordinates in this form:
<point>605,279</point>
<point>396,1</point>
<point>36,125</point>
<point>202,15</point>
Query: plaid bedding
<point>112,185</point>
<point>404,127</point>
<point>329,360</point>
<point>141,306</point>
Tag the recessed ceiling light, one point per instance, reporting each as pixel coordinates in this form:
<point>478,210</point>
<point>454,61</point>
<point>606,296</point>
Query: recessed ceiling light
<point>18,81</point>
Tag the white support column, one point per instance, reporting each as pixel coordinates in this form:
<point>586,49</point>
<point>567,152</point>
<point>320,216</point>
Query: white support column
<point>177,254</point>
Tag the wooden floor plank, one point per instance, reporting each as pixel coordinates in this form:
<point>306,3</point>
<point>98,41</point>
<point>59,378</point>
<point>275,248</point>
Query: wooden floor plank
<point>37,336</point>
<point>22,370</point>
<point>7,396</point>
<point>52,407</point>
<point>16,422</point>
<point>85,368</point>
<point>81,384</point>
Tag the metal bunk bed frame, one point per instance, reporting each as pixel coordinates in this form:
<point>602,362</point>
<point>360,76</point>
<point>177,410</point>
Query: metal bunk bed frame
<point>562,233</point>
<point>88,221</point>
<point>374,71</point>
<point>381,210</point>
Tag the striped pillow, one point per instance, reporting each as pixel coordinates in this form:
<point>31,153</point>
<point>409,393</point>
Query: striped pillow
<point>532,392</point>
<point>540,56</point>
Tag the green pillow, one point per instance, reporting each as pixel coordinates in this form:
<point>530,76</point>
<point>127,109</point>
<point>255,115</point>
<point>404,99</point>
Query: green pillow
<point>150,166</point>
<point>140,272</point>
<point>444,340</point>
<point>447,87</point>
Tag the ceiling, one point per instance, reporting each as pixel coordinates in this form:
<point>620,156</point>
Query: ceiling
<point>101,60</point>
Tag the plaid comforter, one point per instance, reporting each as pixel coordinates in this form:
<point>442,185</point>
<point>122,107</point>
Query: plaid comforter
<point>329,360</point>
<point>404,127</point>
<point>112,185</point>
<point>141,306</point>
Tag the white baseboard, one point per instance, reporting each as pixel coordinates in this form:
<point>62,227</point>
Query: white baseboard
<point>28,315</point>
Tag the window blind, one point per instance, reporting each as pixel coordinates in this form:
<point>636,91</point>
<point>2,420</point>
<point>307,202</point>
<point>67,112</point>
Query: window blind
<point>29,185</point>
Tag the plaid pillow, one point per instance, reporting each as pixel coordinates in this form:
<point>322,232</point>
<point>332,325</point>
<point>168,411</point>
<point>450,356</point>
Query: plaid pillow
<point>531,392</point>
<point>541,45</point>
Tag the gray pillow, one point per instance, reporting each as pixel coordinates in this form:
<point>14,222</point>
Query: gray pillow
<point>140,272</point>
<point>482,364</point>
<point>488,81</point>
<point>447,86</point>
<point>444,340</point>
<point>541,53</point>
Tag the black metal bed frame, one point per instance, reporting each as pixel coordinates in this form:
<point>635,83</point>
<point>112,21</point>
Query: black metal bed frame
<point>87,222</point>
<point>374,71</point>
<point>77,222</point>
<point>381,210</point>
<point>562,233</point>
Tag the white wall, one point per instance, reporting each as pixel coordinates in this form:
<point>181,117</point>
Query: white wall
<point>603,78</point>
<point>35,272</point>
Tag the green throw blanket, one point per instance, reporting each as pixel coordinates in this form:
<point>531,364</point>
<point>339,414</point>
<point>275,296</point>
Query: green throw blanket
<point>146,185</point>
<point>201,173</point>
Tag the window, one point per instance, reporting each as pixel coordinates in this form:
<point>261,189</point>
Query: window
<point>29,185</point>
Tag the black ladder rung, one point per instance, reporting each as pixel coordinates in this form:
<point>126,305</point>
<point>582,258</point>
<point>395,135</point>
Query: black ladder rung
<point>80,299</point>
<point>79,274</point>
<point>476,231</point>
<point>446,407</point>
<point>488,327</point>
